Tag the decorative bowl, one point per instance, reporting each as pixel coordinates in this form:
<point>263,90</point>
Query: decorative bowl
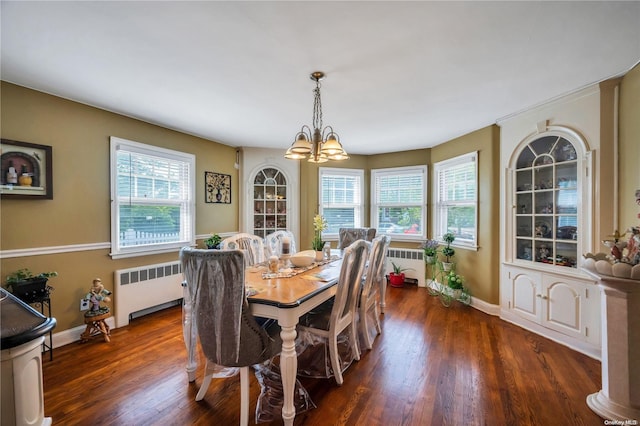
<point>302,259</point>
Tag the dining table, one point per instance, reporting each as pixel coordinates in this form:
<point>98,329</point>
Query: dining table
<point>286,295</point>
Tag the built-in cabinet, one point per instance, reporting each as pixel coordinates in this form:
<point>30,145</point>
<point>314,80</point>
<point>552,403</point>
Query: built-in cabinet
<point>546,202</point>
<point>558,180</point>
<point>541,286</point>
<point>271,192</point>
<point>270,202</point>
<point>566,305</point>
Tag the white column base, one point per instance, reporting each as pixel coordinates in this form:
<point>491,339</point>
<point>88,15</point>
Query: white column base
<point>607,409</point>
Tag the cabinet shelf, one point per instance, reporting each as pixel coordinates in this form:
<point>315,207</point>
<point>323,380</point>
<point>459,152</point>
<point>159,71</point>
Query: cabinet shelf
<point>546,213</point>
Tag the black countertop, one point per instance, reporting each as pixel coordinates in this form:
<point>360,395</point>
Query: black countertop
<point>19,322</point>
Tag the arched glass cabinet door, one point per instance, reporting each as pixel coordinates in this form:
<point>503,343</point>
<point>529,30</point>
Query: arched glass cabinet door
<point>270,204</point>
<point>547,202</point>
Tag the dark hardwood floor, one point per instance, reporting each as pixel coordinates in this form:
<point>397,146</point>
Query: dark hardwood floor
<point>430,366</point>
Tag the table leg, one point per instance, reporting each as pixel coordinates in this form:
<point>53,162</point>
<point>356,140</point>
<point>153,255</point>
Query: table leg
<point>289,370</point>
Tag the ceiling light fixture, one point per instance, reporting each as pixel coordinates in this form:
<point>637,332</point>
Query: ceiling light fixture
<point>318,146</point>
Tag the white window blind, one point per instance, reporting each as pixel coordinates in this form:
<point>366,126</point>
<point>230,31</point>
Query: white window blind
<point>152,198</point>
<point>456,204</point>
<point>399,200</point>
<point>341,198</point>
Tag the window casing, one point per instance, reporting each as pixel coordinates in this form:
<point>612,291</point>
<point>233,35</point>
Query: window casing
<point>457,199</point>
<point>398,201</point>
<point>152,199</point>
<point>341,199</point>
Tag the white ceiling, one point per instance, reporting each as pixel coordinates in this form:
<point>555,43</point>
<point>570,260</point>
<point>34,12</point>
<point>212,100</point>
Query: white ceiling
<point>400,75</point>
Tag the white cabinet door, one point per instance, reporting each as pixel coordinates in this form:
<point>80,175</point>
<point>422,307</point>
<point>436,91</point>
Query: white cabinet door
<point>524,288</point>
<point>562,305</point>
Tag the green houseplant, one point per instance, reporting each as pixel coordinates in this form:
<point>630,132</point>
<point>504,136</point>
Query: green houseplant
<point>213,242</point>
<point>396,278</point>
<point>27,286</point>
<point>447,251</point>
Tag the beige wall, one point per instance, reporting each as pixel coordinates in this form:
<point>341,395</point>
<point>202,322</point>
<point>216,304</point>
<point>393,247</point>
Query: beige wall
<point>80,210</point>
<point>481,268</point>
<point>629,148</point>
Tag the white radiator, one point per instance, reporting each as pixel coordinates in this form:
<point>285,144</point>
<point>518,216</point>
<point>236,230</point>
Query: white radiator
<point>407,258</point>
<point>146,288</point>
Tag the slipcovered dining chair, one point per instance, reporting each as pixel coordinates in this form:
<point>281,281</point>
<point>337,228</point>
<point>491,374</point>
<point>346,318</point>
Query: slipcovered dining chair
<point>252,245</point>
<point>346,236</point>
<point>337,314</point>
<point>273,242</point>
<point>220,317</point>
<point>372,287</point>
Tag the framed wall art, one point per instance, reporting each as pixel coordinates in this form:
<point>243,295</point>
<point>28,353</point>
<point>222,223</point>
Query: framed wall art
<point>217,188</point>
<point>25,170</point>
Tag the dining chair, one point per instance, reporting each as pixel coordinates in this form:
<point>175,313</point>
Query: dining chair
<point>229,334</point>
<point>346,236</point>
<point>252,245</point>
<point>273,242</point>
<point>337,314</point>
<point>371,288</point>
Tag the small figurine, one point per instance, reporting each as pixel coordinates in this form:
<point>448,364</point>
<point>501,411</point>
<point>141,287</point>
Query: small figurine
<point>96,295</point>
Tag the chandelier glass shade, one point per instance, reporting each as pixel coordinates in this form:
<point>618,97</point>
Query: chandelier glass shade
<point>317,146</point>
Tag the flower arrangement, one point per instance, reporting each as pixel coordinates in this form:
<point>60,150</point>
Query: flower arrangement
<point>430,248</point>
<point>448,251</point>
<point>319,225</point>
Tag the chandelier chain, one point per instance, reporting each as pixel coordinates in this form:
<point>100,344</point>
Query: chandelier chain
<point>317,108</point>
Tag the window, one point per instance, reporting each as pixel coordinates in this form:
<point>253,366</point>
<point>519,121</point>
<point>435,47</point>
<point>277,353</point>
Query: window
<point>152,193</point>
<point>457,198</point>
<point>398,201</point>
<point>341,198</point>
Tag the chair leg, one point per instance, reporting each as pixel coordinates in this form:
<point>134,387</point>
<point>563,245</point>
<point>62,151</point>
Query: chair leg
<point>335,359</point>
<point>244,396</point>
<point>377,317</point>
<point>205,383</point>
<point>364,328</point>
<point>354,339</point>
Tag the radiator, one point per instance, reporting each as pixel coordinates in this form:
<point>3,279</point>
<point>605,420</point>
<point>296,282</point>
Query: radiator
<point>145,289</point>
<point>407,258</point>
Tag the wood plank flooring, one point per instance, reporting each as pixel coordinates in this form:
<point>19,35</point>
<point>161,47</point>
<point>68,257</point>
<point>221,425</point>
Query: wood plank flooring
<point>430,366</point>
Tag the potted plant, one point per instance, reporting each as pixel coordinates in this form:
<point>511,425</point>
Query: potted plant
<point>319,225</point>
<point>213,242</point>
<point>396,278</point>
<point>430,248</point>
<point>448,251</point>
<point>27,286</point>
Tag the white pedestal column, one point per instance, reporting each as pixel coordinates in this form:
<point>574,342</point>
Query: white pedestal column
<point>22,390</point>
<point>619,398</point>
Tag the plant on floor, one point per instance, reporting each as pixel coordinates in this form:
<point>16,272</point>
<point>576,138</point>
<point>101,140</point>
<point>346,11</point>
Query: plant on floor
<point>396,278</point>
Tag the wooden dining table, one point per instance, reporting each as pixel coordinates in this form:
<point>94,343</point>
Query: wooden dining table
<point>286,299</point>
<point>283,298</point>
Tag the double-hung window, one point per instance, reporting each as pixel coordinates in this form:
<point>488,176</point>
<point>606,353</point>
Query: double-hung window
<point>398,201</point>
<point>152,199</point>
<point>457,199</point>
<point>341,199</point>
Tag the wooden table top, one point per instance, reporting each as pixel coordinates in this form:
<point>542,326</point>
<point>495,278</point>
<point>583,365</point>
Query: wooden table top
<point>290,292</point>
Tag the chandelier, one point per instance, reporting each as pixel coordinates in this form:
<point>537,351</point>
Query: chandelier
<point>318,146</point>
